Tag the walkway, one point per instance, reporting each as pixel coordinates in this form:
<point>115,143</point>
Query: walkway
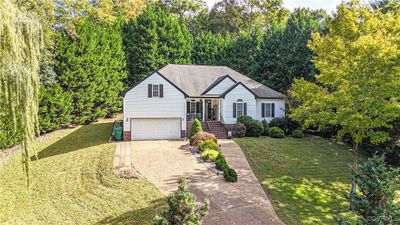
<point>241,203</point>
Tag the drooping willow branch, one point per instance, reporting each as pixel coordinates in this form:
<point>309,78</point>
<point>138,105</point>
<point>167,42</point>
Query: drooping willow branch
<point>20,43</point>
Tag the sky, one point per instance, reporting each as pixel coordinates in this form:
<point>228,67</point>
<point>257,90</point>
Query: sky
<point>328,5</point>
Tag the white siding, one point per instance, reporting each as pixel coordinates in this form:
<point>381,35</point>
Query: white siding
<point>221,87</point>
<point>239,92</point>
<point>279,108</point>
<point>137,104</point>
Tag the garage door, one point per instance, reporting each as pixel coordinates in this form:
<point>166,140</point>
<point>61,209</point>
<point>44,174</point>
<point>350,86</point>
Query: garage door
<point>153,129</point>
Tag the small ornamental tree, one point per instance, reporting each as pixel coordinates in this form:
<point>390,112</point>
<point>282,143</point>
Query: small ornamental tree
<point>374,203</point>
<point>358,87</point>
<point>182,208</point>
<point>196,127</point>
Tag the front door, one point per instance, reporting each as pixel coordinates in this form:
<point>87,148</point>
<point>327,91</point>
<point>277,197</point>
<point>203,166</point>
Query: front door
<point>210,110</point>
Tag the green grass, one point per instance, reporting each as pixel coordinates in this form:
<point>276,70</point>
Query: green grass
<point>73,183</point>
<point>308,179</point>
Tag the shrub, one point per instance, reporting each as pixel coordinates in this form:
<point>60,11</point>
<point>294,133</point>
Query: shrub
<point>196,127</point>
<point>208,145</point>
<point>276,132</point>
<point>182,199</point>
<point>240,129</point>
<point>210,155</point>
<point>266,127</point>
<point>255,129</point>
<point>282,123</point>
<point>202,136</point>
<point>230,175</point>
<point>220,162</point>
<point>297,134</point>
<point>246,120</point>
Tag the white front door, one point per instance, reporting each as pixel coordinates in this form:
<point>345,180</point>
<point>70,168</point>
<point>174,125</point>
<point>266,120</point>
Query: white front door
<point>155,129</point>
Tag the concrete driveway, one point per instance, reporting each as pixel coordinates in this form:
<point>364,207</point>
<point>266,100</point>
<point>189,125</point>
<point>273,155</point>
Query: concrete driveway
<point>243,202</point>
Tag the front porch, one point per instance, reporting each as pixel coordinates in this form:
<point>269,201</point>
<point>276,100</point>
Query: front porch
<point>204,109</point>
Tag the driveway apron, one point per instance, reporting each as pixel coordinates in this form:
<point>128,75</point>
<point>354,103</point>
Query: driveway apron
<point>243,202</point>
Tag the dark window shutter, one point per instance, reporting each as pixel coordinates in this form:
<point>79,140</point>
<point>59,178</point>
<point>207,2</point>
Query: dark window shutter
<point>263,110</point>
<point>161,89</point>
<point>188,107</point>
<point>234,110</point>
<point>273,109</point>
<point>245,109</point>
<point>150,90</point>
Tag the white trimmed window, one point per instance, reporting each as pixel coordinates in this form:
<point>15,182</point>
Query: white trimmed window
<point>239,108</point>
<point>156,90</point>
<point>268,110</point>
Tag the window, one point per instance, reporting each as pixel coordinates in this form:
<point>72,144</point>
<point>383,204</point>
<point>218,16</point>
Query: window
<point>267,110</point>
<point>155,90</point>
<point>193,107</point>
<point>239,108</point>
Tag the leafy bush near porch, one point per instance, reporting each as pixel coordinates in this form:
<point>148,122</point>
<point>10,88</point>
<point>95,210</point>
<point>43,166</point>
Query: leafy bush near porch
<point>297,134</point>
<point>208,145</point>
<point>276,132</point>
<point>202,136</point>
<point>210,155</point>
<point>240,130</point>
<point>230,175</point>
<point>196,127</point>
<point>254,128</point>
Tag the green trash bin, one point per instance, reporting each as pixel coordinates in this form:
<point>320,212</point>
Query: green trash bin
<point>118,133</point>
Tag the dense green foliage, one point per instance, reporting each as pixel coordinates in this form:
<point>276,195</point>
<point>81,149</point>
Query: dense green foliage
<point>375,202</point>
<point>209,155</point>
<point>202,136</point>
<point>208,145</point>
<point>240,130</point>
<point>276,132</point>
<point>196,127</point>
<point>220,162</point>
<point>55,108</point>
<point>254,128</point>
<point>153,40</point>
<point>91,68</point>
<point>266,127</point>
<point>230,175</point>
<point>284,55</point>
<point>208,48</point>
<point>297,134</point>
<point>182,208</point>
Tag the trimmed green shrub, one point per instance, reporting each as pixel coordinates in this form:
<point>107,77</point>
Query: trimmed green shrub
<point>255,129</point>
<point>208,145</point>
<point>282,123</point>
<point>240,130</point>
<point>276,132</point>
<point>246,120</point>
<point>230,175</point>
<point>202,136</point>
<point>297,134</point>
<point>221,164</point>
<point>266,127</point>
<point>210,155</point>
<point>196,127</point>
<point>220,156</point>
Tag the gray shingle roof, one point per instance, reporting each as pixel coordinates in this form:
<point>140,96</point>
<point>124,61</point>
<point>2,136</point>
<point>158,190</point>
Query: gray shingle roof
<point>195,79</point>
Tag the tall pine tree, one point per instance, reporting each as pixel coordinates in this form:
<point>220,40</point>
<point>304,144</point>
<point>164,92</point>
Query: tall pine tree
<point>284,54</point>
<point>207,49</point>
<point>153,40</point>
<point>91,68</point>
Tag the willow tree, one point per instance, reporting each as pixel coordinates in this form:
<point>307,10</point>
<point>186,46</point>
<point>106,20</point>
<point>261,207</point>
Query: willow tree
<point>20,43</point>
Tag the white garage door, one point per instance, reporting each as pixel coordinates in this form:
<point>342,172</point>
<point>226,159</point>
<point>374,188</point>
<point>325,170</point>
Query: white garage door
<point>153,129</point>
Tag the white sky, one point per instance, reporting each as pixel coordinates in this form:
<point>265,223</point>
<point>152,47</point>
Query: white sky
<point>328,5</point>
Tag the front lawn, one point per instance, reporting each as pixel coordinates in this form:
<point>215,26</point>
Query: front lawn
<point>307,180</point>
<point>73,183</point>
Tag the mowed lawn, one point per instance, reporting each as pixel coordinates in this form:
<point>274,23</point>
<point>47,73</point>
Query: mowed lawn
<point>308,179</point>
<point>73,183</point>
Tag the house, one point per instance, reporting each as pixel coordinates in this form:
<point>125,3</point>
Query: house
<point>164,105</point>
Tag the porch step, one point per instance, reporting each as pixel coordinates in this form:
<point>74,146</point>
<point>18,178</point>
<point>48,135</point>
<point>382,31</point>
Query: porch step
<point>216,128</point>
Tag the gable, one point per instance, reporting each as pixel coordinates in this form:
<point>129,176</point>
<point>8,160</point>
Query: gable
<point>220,86</point>
<point>238,88</point>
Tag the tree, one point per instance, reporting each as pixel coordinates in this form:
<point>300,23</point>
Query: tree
<point>358,87</point>
<point>374,203</point>
<point>153,40</point>
<point>234,16</point>
<point>207,48</point>
<point>284,55</point>
<point>91,68</point>
<point>386,5</point>
<point>182,208</point>
<point>20,43</point>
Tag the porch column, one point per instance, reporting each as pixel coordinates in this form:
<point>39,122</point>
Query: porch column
<point>219,109</point>
<point>203,109</point>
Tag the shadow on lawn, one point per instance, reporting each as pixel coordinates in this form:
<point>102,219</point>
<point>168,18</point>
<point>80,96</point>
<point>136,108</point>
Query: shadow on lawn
<point>84,137</point>
<point>140,216</point>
